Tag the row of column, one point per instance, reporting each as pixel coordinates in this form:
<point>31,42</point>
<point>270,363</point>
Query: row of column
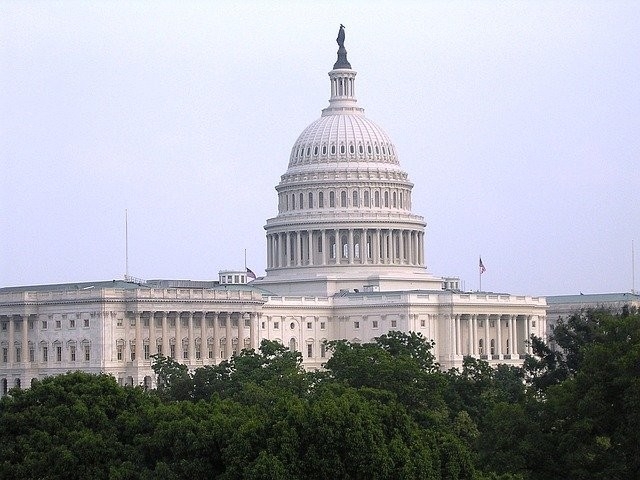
<point>512,340</point>
<point>345,246</point>
<point>216,317</point>
<point>23,321</point>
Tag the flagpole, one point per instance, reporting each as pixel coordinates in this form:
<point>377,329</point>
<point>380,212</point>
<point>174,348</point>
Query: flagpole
<point>126,244</point>
<point>480,273</point>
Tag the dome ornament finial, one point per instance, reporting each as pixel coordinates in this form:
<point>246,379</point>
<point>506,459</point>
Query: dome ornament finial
<point>342,52</point>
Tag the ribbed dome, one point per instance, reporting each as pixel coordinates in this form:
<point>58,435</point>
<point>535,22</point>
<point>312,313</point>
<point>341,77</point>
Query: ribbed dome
<point>342,138</point>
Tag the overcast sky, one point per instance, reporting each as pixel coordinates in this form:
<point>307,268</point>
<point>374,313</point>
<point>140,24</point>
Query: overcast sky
<point>518,123</point>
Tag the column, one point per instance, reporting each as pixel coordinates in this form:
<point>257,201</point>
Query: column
<point>338,247</point>
<point>178,337</point>
<point>458,336</point>
<point>474,330</point>
<point>165,335</point>
<point>229,340</point>
<point>253,320</point>
<point>298,253</point>
<point>25,340</point>
<point>191,344</point>
<point>514,326</point>
<point>12,340</point>
<point>325,247</point>
<point>216,337</point>
<point>470,339</point>
<point>401,246</point>
<point>376,247</point>
<point>310,246</point>
<point>351,247</point>
<point>241,318</point>
<point>499,339</point>
<point>487,340</point>
<point>139,348</point>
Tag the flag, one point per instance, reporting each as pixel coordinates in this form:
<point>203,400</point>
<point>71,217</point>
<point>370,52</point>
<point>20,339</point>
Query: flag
<point>482,269</point>
<point>250,273</point>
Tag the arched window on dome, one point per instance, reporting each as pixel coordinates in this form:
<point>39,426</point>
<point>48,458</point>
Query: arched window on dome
<point>352,149</point>
<point>286,203</point>
<point>342,149</point>
<point>384,152</point>
<point>377,150</point>
<point>386,199</point>
<point>360,149</point>
<point>315,150</point>
<point>308,151</point>
<point>366,198</point>
<point>301,201</point>
<point>343,198</point>
<point>320,199</point>
<point>376,199</point>
<point>333,149</point>
<point>401,200</point>
<point>310,205</point>
<point>324,150</point>
<point>369,149</point>
<point>394,200</point>
<point>332,199</point>
<point>293,201</point>
<point>355,199</point>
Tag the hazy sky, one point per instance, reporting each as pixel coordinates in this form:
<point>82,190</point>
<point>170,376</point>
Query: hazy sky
<point>518,122</point>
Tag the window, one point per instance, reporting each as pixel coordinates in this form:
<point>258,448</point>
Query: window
<point>342,149</point>
<point>32,354</point>
<point>87,353</point>
<point>31,322</point>
<point>172,351</point>
<point>58,354</point>
<point>119,349</point>
<point>386,199</point>
<point>86,323</point>
<point>333,149</point>
<point>367,202</point>
<point>145,347</point>
<point>533,323</point>
<point>292,326</point>
<point>58,324</point>
<point>119,322</point>
<point>293,201</point>
<point>360,149</point>
<point>395,198</point>
<point>276,325</point>
<point>320,244</point>
<point>133,351</point>
<point>159,349</point>
<point>321,200</point>
<point>422,323</point>
<point>145,322</point>
<point>343,199</point>
<point>4,326</point>
<point>374,324</point>
<point>355,198</point>
<point>72,323</point>
<point>394,323</point>
<point>44,324</point>
<point>264,324</point>
<point>309,350</point>
<point>309,325</point>
<point>324,149</point>
<point>323,350</point>
<point>72,353</point>
<point>5,354</point>
<point>356,325</point>
<point>332,199</point>
<point>18,354</point>
<point>45,354</point>
<point>301,201</point>
<point>376,198</point>
<point>197,351</point>
<point>310,200</point>
<point>322,325</point>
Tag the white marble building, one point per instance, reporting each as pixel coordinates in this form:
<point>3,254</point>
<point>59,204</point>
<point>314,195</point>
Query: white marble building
<point>345,260</point>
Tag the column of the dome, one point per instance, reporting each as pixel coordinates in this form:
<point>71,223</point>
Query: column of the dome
<point>338,253</point>
<point>351,250</point>
<point>376,248</point>
<point>324,246</point>
<point>401,246</point>
<point>310,246</point>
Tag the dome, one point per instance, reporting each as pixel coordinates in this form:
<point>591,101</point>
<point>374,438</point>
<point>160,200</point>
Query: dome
<point>342,137</point>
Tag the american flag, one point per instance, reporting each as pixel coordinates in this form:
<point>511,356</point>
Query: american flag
<point>250,273</point>
<point>482,269</point>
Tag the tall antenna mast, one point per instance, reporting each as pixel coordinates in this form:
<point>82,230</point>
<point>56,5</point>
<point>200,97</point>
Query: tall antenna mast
<point>633,269</point>
<point>126,244</point>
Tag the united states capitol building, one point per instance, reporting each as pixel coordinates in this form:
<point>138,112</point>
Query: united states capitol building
<point>345,260</point>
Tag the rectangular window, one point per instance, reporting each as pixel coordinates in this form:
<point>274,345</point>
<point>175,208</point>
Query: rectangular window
<point>210,353</point>
<point>172,351</point>
<point>18,354</point>
<point>45,354</point>
<point>72,353</point>
<point>533,323</point>
<point>58,324</point>
<point>119,322</point>
<point>322,325</point>
<point>374,323</point>
<point>263,325</point>
<point>394,323</point>
<point>276,325</point>
<point>197,352</point>
<point>87,353</point>
<point>4,326</point>
<point>32,355</point>
<point>146,351</point>
<point>119,349</point>
<point>210,322</point>
<point>422,323</point>
<point>309,350</point>
<point>31,322</point>
<point>86,323</point>
<point>309,325</point>
<point>5,354</point>
<point>58,354</point>
<point>133,352</point>
<point>185,353</point>
<point>44,324</point>
<point>323,350</point>
<point>145,322</point>
<point>72,323</point>
<point>159,349</point>
<point>356,325</point>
